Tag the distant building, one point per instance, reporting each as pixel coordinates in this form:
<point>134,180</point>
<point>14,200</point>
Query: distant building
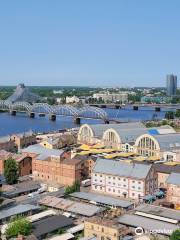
<point>72,99</point>
<point>171,85</point>
<point>25,139</point>
<point>22,93</point>
<point>121,97</point>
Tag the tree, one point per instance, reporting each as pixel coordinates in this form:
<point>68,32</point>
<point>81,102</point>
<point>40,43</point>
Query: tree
<point>18,226</point>
<point>169,115</point>
<point>11,172</point>
<point>177,114</point>
<point>175,235</point>
<point>74,188</point>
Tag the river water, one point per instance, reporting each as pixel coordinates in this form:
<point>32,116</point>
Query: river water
<point>21,122</point>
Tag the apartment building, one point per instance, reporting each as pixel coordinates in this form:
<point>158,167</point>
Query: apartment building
<point>104,229</point>
<point>128,180</point>
<point>173,188</point>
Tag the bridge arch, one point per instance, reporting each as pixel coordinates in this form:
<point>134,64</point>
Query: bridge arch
<point>42,108</point>
<point>93,112</point>
<point>22,106</point>
<point>66,110</point>
<point>5,105</point>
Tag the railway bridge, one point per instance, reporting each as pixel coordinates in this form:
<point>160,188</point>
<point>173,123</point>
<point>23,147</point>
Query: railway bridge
<point>43,109</point>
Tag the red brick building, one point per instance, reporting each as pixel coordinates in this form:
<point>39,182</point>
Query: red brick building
<point>23,160</point>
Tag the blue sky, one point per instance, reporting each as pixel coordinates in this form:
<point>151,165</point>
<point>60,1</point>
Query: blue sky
<point>89,42</point>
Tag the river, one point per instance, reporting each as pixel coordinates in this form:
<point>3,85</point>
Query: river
<point>21,122</point>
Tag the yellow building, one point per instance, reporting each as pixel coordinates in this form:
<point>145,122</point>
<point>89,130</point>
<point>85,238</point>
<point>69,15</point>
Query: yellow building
<point>50,143</point>
<point>104,229</point>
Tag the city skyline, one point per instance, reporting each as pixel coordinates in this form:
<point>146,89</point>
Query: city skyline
<point>89,44</point>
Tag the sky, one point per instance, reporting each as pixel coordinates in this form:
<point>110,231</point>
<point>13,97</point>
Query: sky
<point>121,43</point>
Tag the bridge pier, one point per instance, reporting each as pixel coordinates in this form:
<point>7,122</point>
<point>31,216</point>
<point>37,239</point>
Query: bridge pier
<point>52,117</point>
<point>135,108</point>
<point>13,112</point>
<point>157,109</point>
<point>77,120</point>
<point>106,121</point>
<point>31,115</point>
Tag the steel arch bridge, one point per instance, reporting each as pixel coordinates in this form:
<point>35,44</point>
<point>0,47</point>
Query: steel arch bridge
<point>86,112</point>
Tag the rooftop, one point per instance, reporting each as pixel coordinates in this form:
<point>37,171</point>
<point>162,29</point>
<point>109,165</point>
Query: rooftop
<point>50,224</point>
<point>148,224</point>
<point>71,206</point>
<point>102,199</point>
<point>174,178</point>
<point>120,168</point>
<point>19,209</point>
<point>43,152</point>
<point>159,211</point>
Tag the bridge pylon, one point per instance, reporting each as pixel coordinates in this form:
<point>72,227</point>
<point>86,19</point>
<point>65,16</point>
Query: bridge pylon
<point>77,120</point>
<point>13,112</point>
<point>52,117</point>
<point>31,115</point>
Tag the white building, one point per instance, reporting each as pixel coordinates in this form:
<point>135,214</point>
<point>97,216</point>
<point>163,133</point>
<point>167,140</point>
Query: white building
<point>121,97</point>
<point>72,99</point>
<point>123,179</point>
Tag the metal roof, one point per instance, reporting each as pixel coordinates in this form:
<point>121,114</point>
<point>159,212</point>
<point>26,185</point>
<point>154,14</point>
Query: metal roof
<point>159,211</point>
<point>148,224</point>
<point>174,178</point>
<point>19,209</point>
<point>102,199</point>
<point>120,168</point>
<point>123,129</point>
<point>168,141</point>
<point>42,151</point>
<point>50,224</point>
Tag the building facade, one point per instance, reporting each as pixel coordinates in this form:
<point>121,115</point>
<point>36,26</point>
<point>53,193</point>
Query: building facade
<point>123,179</point>
<point>24,162</point>
<point>171,84</point>
<point>173,188</point>
<point>104,229</point>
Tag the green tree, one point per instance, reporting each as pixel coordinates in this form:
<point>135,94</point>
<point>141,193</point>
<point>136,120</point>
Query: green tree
<point>11,172</point>
<point>169,115</point>
<point>18,226</point>
<point>177,114</point>
<point>74,188</point>
<point>175,235</point>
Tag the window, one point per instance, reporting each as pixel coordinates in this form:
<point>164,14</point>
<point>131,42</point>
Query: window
<point>124,179</point>
<point>102,229</point>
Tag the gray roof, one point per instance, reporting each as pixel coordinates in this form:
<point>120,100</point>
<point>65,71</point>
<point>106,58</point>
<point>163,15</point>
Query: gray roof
<point>159,211</point>
<point>85,209</point>
<point>168,141</point>
<point>174,178</point>
<point>120,168</point>
<point>127,131</point>
<point>19,209</point>
<point>51,224</point>
<point>147,224</point>
<point>43,152</point>
<point>102,199</point>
